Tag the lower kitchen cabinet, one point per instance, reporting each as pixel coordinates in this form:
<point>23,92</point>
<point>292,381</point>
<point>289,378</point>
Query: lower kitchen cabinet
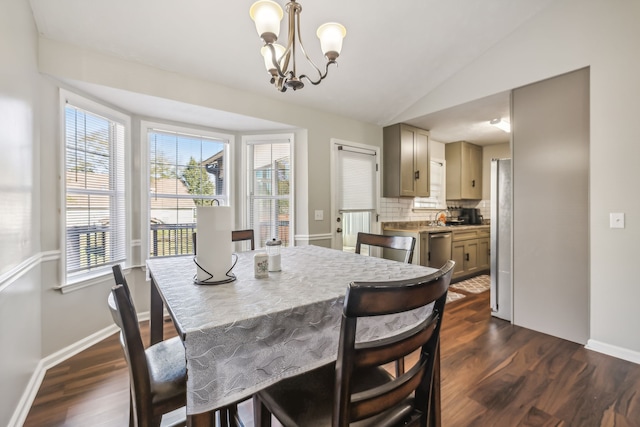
<point>470,248</point>
<point>470,251</point>
<point>484,254</point>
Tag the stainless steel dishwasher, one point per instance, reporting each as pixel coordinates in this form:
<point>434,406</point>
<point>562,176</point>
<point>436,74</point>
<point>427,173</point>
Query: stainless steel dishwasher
<point>439,249</point>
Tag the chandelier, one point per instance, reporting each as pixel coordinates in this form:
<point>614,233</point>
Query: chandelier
<point>279,61</point>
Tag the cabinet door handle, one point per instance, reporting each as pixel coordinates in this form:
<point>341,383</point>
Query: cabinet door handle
<point>467,257</point>
<point>473,183</point>
<point>417,174</point>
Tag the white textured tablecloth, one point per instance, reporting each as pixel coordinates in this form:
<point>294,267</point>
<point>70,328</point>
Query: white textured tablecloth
<point>243,336</point>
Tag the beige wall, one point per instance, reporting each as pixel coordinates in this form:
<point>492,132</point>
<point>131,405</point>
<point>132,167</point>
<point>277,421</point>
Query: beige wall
<point>569,35</point>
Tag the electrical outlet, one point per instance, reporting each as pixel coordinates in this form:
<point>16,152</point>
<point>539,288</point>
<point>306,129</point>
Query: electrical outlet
<point>319,215</point>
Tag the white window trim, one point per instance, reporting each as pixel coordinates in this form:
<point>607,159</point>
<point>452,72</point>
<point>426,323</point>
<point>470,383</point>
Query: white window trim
<point>145,127</point>
<point>244,180</point>
<point>111,114</point>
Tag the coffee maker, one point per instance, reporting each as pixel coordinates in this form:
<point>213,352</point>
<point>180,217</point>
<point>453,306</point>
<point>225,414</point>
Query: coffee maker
<point>471,216</point>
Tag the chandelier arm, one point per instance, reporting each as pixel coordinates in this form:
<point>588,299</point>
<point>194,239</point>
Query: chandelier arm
<point>322,76</point>
<point>307,56</point>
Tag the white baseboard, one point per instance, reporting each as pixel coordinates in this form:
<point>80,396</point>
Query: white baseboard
<point>28,396</point>
<point>615,351</point>
<point>30,392</point>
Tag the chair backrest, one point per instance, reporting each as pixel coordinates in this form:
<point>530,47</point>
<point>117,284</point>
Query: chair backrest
<point>118,276</point>
<point>365,299</point>
<point>134,353</point>
<point>240,235</point>
<point>120,280</point>
<point>236,236</point>
<point>405,243</point>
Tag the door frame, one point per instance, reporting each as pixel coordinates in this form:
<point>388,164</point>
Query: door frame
<point>375,225</point>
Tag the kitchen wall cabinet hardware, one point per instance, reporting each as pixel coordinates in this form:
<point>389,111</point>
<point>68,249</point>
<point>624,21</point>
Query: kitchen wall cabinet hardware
<point>464,170</point>
<point>405,161</point>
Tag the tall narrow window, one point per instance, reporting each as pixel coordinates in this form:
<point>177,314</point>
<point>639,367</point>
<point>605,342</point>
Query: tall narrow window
<point>356,192</point>
<point>186,170</point>
<point>95,211</point>
<point>437,198</point>
<point>269,192</point>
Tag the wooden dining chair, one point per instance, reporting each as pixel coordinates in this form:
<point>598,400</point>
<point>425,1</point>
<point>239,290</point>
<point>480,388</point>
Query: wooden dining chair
<point>157,374</point>
<point>236,236</point>
<point>242,235</point>
<point>357,387</point>
<point>401,243</point>
<point>404,243</point>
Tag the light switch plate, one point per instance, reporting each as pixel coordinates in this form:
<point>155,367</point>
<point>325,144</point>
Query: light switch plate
<point>319,215</point>
<point>616,220</point>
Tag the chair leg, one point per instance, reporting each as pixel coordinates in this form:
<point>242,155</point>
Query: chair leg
<point>132,422</point>
<point>234,418</point>
<point>399,367</point>
<point>223,413</point>
<point>261,416</point>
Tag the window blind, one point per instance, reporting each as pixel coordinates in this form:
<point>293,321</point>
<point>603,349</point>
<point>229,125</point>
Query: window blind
<point>356,176</point>
<point>269,170</point>
<point>95,209</point>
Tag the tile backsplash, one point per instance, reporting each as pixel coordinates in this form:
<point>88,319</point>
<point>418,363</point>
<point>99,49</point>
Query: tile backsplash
<point>401,209</point>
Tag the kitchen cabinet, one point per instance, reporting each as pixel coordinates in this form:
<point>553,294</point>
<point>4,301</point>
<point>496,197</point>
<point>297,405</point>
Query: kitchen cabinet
<point>471,252</point>
<point>406,161</point>
<point>484,254</point>
<point>464,170</point>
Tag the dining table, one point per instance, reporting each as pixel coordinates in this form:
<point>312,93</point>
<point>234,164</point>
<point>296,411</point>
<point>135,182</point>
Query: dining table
<point>245,335</point>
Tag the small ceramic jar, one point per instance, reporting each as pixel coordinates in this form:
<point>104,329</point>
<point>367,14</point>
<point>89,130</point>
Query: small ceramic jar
<point>261,265</point>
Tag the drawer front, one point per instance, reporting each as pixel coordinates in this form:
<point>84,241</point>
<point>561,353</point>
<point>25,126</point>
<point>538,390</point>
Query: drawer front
<point>464,235</point>
<point>482,234</point>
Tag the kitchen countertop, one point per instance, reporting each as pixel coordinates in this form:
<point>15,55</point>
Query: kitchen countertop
<point>424,227</point>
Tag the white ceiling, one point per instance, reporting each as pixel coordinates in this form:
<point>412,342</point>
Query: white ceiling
<point>394,54</point>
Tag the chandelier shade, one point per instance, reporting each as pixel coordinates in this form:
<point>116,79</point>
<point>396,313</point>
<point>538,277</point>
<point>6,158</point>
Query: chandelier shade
<point>267,15</point>
<point>331,35</point>
<point>280,61</point>
<point>268,57</point>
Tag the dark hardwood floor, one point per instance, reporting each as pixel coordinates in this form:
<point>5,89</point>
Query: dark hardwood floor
<point>493,374</point>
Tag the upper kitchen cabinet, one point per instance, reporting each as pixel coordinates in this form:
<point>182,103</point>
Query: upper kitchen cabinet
<point>464,170</point>
<point>406,161</point>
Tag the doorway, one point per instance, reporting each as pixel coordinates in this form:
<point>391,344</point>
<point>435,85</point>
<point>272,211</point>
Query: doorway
<point>355,182</point>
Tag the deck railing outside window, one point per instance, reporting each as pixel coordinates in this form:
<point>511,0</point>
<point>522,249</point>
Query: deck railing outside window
<point>166,240</point>
<point>172,239</point>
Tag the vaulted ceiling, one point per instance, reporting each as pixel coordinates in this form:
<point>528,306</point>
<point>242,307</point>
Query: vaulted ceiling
<point>394,53</point>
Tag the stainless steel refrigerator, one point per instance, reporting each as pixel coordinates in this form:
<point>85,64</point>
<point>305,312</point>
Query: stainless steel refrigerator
<point>501,206</point>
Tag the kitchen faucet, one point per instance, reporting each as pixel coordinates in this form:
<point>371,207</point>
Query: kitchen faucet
<point>436,220</point>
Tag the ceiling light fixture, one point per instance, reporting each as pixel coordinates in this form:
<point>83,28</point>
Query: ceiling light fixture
<point>267,15</point>
<point>501,124</point>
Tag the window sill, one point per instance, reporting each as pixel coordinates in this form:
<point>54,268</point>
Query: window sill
<point>99,278</point>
